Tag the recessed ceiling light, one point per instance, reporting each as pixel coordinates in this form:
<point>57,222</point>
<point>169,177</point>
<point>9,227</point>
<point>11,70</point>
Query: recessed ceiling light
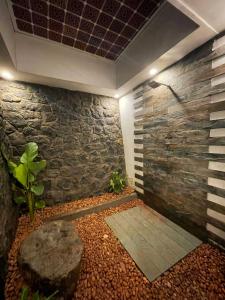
<point>7,75</point>
<point>116,96</point>
<point>153,71</point>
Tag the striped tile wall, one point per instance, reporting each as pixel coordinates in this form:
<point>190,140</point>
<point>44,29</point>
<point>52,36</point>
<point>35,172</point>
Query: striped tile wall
<point>138,139</point>
<point>216,199</point>
<point>205,116</point>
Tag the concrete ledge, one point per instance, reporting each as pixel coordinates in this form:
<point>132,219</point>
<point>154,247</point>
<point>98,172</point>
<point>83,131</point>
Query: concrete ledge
<point>93,209</point>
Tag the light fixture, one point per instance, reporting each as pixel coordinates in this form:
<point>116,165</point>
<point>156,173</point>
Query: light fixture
<point>7,75</point>
<point>153,71</point>
<point>116,96</point>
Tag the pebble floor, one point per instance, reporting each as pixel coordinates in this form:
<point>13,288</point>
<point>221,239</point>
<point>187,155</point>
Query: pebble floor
<point>108,272</point>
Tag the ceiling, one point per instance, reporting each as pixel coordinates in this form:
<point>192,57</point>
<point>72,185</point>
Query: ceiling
<point>32,58</point>
<point>100,27</point>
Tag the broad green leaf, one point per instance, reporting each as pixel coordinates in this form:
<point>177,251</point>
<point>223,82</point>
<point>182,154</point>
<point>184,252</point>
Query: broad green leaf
<point>24,293</point>
<point>20,173</point>
<point>40,204</point>
<point>38,166</point>
<point>31,177</point>
<point>38,189</point>
<point>20,199</point>
<point>31,151</point>
<point>11,166</point>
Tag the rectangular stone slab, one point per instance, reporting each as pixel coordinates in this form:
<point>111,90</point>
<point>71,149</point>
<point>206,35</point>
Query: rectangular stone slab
<point>78,213</point>
<point>154,242</point>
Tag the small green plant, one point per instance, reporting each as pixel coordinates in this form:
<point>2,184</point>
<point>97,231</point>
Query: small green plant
<point>117,183</point>
<point>25,295</point>
<point>25,185</point>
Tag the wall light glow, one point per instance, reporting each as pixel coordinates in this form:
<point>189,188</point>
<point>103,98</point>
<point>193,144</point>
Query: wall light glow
<point>116,96</point>
<point>153,71</point>
<point>7,75</point>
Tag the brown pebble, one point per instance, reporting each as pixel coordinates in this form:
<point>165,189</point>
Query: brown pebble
<point>109,273</point>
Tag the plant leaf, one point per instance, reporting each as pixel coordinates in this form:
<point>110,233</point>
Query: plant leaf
<point>20,173</point>
<point>36,296</point>
<point>117,182</point>
<point>38,166</point>
<point>20,199</point>
<point>40,204</point>
<point>11,166</point>
<point>31,151</point>
<point>52,295</point>
<point>31,177</point>
<point>24,293</point>
<point>38,189</point>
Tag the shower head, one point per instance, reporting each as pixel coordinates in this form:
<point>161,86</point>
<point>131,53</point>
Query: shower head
<point>154,84</point>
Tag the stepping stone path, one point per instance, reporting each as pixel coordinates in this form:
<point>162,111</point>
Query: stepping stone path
<point>50,258</point>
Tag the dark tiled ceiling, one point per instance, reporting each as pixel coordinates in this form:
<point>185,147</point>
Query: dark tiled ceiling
<point>101,27</point>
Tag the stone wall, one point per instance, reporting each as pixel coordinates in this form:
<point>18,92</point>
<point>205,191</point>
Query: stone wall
<point>79,135</point>
<point>8,211</point>
<point>173,130</point>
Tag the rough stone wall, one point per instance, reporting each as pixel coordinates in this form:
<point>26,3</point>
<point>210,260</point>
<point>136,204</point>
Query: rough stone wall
<point>8,211</point>
<point>175,140</point>
<point>79,135</point>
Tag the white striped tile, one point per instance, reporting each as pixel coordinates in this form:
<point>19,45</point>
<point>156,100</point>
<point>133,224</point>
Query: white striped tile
<point>138,127</point>
<point>139,181</point>
<point>217,115</point>
<point>216,215</point>
<point>139,136</point>
<point>218,80</point>
<point>135,101</point>
<point>216,182</point>
<point>138,90</point>
<point>218,132</point>
<point>141,173</point>
<point>138,163</point>
<point>217,97</point>
<point>139,190</point>
<point>139,110</point>
<point>216,199</point>
<point>218,62</point>
<point>216,231</point>
<point>139,155</point>
<point>217,149</point>
<point>217,166</point>
<point>138,146</point>
<point>139,118</point>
